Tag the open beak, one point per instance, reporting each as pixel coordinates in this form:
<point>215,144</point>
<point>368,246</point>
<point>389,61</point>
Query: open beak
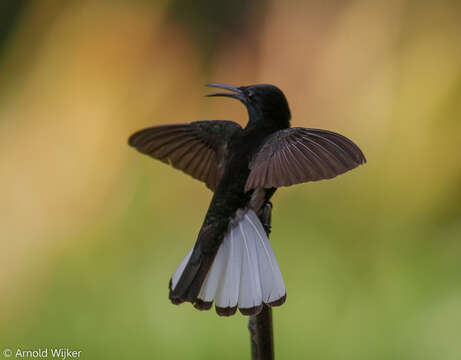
<point>236,92</point>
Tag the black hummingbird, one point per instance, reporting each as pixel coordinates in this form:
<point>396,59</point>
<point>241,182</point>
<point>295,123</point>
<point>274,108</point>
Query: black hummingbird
<point>232,262</point>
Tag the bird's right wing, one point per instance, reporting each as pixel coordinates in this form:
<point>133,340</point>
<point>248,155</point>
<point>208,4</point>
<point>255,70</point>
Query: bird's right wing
<point>197,148</point>
<point>297,155</point>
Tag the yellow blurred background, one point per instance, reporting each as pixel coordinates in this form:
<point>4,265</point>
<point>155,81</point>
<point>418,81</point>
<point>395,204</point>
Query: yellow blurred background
<point>91,231</point>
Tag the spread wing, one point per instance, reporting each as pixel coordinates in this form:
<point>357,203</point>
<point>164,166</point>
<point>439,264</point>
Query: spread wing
<point>198,148</point>
<point>297,155</point>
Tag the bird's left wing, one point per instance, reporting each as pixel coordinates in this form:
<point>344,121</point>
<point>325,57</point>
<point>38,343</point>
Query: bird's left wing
<point>297,155</point>
<point>197,148</point>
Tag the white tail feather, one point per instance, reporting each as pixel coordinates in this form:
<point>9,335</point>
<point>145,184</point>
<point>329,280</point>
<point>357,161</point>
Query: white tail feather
<point>250,294</point>
<point>245,272</point>
<point>271,277</point>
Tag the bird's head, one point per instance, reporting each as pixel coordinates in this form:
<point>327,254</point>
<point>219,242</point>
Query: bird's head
<point>266,104</point>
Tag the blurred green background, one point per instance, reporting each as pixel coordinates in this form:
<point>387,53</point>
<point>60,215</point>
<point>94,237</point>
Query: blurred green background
<point>90,230</point>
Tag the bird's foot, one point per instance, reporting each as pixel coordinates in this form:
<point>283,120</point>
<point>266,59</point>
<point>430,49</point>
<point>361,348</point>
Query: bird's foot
<point>266,217</point>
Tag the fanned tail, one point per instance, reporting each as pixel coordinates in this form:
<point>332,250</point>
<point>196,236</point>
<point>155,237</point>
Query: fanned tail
<point>244,274</point>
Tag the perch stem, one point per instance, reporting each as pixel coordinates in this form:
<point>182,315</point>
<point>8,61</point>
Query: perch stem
<point>262,340</point>
<point>260,325</point>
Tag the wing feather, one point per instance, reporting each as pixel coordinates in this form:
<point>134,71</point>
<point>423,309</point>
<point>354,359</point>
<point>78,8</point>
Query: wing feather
<point>328,160</point>
<point>204,166</point>
<point>348,145</point>
<point>198,148</point>
<point>312,157</point>
<point>292,163</point>
<point>297,155</point>
<point>339,152</point>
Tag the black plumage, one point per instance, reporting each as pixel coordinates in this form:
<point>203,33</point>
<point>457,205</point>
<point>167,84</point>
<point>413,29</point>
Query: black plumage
<point>243,167</point>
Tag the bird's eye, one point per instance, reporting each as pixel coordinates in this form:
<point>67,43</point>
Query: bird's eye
<point>250,94</point>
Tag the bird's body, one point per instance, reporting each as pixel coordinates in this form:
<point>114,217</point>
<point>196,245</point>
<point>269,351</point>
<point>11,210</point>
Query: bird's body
<point>230,195</point>
<point>232,262</point>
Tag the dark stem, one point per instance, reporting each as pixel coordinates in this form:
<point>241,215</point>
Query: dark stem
<point>260,325</point>
<point>261,335</point>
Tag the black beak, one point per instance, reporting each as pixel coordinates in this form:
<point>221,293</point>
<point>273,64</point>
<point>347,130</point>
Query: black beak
<point>237,92</point>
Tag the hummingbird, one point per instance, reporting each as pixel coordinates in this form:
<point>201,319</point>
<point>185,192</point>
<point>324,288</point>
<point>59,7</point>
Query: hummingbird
<point>232,262</point>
